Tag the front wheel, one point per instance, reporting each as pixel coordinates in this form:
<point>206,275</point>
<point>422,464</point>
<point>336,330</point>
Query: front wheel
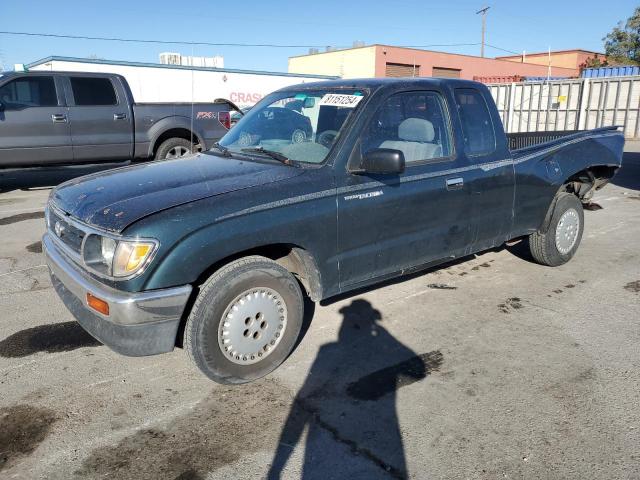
<point>245,321</point>
<point>560,240</point>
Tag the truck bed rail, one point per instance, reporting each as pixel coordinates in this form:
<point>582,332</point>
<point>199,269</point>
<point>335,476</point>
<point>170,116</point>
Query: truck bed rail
<point>530,140</point>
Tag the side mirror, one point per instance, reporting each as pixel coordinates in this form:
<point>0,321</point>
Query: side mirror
<point>383,161</point>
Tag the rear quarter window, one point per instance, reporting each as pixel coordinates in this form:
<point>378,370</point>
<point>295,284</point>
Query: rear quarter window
<point>477,126</point>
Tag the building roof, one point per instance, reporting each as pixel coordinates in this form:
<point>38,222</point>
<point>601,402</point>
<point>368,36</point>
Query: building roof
<point>538,54</point>
<point>175,67</point>
<point>382,45</point>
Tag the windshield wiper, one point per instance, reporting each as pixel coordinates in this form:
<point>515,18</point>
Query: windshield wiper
<point>271,153</point>
<point>224,150</point>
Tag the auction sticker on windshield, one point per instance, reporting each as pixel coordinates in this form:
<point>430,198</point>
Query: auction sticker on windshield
<point>340,100</point>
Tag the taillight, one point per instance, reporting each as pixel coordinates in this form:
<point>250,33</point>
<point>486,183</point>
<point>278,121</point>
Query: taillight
<point>225,119</point>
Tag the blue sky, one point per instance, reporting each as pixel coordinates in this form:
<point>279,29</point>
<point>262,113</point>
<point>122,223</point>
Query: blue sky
<point>511,24</point>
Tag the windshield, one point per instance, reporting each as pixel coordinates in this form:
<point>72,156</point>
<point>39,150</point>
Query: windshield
<point>301,126</point>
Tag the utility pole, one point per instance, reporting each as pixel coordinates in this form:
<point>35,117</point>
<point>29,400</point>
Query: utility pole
<point>483,11</point>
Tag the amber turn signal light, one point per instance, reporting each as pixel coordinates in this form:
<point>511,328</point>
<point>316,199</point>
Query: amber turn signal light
<point>98,304</point>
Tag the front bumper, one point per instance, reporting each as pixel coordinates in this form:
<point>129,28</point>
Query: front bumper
<point>138,324</point>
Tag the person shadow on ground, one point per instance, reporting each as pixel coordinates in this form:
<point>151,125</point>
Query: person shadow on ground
<point>348,403</point>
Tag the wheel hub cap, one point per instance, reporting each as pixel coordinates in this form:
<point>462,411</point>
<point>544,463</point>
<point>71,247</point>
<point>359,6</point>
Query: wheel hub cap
<point>177,152</point>
<point>567,231</point>
<point>253,325</point>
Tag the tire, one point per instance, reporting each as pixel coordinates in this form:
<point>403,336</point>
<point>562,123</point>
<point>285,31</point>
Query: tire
<point>173,148</point>
<point>298,136</point>
<point>559,242</point>
<point>264,325</point>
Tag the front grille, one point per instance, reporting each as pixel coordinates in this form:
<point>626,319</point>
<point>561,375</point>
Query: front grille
<point>67,233</point>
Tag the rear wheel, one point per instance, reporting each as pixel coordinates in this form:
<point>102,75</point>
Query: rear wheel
<point>245,321</point>
<point>560,240</point>
<point>174,148</point>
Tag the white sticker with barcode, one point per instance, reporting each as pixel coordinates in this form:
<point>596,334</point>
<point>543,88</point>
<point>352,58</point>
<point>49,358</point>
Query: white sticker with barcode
<point>340,100</point>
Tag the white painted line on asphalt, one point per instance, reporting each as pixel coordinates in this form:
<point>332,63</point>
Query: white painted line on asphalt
<point>608,199</point>
<point>21,270</point>
<point>605,230</point>
<point>14,367</point>
<point>123,375</point>
<point>21,210</point>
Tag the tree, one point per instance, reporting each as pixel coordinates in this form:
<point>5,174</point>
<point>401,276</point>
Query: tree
<point>622,45</point>
<point>594,62</point>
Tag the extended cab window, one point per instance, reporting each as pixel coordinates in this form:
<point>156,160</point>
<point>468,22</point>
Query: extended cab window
<point>93,91</point>
<point>415,123</point>
<point>477,127</point>
<point>29,92</point>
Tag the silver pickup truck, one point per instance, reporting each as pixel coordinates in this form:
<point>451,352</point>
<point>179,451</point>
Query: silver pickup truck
<point>72,117</point>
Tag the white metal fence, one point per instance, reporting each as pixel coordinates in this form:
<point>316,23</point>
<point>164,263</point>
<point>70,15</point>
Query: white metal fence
<point>576,104</point>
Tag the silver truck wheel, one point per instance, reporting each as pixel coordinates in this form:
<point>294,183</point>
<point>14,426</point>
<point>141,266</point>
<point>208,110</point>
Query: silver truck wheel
<point>562,234</point>
<point>177,152</point>
<point>245,321</point>
<point>173,148</point>
<point>253,325</point>
<point>567,231</point>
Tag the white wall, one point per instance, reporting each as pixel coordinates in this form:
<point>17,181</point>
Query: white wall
<point>152,84</point>
<point>580,104</point>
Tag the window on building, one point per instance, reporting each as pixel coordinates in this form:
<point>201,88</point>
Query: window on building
<point>446,72</point>
<point>27,92</point>
<point>477,127</point>
<point>415,123</point>
<point>401,70</point>
<point>93,91</point>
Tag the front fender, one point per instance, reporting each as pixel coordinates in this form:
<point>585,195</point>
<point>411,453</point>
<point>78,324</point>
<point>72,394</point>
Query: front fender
<point>196,254</point>
<point>197,236</point>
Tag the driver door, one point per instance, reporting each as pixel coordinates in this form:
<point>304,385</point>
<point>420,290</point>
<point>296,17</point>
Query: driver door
<point>389,224</point>
<point>34,123</point>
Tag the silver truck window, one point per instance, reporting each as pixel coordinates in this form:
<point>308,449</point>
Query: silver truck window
<point>29,92</point>
<point>415,123</point>
<point>93,91</point>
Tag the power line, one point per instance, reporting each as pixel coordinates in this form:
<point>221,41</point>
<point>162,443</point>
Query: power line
<point>503,49</point>
<point>163,42</point>
<point>213,44</point>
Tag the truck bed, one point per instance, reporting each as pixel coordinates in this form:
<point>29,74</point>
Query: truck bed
<point>528,142</point>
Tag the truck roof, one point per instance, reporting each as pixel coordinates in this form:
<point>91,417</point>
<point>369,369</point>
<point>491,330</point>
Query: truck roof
<point>377,83</point>
<point>59,72</point>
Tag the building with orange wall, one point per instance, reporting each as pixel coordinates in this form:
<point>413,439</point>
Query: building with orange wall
<point>389,61</point>
<point>574,59</point>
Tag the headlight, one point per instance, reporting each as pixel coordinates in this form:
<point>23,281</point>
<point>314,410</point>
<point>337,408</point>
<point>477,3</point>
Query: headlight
<point>130,257</point>
<point>107,249</point>
<point>116,258</point>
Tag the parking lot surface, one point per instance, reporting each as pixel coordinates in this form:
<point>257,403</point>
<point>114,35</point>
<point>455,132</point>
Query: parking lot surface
<point>491,367</point>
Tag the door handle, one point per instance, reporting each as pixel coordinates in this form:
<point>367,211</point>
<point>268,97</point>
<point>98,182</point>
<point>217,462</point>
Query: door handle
<point>58,118</point>
<point>119,116</point>
<point>455,183</point>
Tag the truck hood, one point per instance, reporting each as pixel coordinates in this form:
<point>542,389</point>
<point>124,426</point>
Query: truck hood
<point>114,199</point>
